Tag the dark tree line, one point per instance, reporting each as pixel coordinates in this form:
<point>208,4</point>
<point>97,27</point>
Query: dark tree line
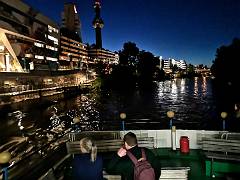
<point>226,65</point>
<point>226,70</point>
<point>135,68</point>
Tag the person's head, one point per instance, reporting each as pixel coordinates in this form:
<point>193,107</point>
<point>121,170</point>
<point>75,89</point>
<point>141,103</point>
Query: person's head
<point>87,146</point>
<point>130,140</point>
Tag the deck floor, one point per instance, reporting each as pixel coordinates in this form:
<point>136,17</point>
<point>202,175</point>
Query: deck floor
<point>194,159</point>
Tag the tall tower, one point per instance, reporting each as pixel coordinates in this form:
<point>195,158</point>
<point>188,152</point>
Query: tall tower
<point>98,24</point>
<point>70,19</point>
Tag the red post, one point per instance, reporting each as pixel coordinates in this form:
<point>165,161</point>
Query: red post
<point>184,144</point>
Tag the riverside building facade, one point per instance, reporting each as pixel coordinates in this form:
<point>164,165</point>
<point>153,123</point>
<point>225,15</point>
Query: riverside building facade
<point>168,64</point>
<point>106,56</point>
<point>72,53</point>
<point>29,40</point>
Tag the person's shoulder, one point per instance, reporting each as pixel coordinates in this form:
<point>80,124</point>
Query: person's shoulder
<point>148,151</point>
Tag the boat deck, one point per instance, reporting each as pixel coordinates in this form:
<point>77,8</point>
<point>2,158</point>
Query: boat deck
<point>195,160</point>
<point>200,166</point>
<point>197,163</point>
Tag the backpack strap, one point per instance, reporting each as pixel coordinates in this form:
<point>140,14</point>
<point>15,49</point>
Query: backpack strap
<point>132,157</point>
<point>143,154</point>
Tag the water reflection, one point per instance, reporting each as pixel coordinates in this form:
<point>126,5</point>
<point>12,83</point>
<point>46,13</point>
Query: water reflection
<point>196,86</point>
<point>191,100</point>
<point>204,86</point>
<point>182,85</point>
<point>174,90</point>
<point>27,132</point>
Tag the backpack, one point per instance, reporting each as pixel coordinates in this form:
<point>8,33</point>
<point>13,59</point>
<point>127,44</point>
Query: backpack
<point>142,168</point>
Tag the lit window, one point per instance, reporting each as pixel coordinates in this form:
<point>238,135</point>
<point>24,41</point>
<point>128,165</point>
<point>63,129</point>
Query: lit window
<point>39,57</point>
<point>52,38</point>
<point>52,48</point>
<point>51,59</point>
<point>52,29</point>
<point>75,10</point>
<point>38,44</point>
<point>28,55</point>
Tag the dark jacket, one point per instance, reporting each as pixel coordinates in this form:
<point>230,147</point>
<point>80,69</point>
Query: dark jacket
<point>125,167</point>
<point>84,169</point>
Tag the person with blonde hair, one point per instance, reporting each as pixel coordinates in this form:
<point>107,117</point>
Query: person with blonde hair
<point>87,165</point>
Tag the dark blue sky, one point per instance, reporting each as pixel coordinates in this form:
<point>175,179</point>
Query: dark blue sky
<point>180,29</point>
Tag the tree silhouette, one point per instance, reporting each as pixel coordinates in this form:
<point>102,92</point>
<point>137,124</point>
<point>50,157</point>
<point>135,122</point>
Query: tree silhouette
<point>135,66</point>
<point>146,67</point>
<point>124,74</point>
<point>225,69</point>
<point>128,56</point>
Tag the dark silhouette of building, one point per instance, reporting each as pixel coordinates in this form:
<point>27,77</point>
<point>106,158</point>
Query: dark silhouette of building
<point>98,24</point>
<point>71,20</point>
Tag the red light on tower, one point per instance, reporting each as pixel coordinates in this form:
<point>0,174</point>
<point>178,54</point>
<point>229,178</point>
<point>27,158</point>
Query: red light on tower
<point>97,1</point>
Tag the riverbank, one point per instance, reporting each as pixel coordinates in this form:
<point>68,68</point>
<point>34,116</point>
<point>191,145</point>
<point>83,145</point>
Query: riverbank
<point>15,87</point>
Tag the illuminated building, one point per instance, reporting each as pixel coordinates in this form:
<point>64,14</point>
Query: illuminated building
<point>169,63</point>
<point>183,65</point>
<point>72,53</point>
<point>103,55</point>
<point>29,40</point>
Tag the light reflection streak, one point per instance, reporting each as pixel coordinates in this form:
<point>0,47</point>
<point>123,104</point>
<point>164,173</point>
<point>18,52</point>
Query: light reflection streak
<point>183,82</point>
<point>204,86</point>
<point>160,90</point>
<point>174,90</point>
<point>196,86</point>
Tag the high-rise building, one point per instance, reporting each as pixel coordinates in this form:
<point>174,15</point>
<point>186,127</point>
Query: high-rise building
<point>71,20</point>
<point>98,24</point>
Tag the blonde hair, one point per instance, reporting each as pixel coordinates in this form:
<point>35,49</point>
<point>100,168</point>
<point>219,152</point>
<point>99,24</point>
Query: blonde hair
<point>88,145</point>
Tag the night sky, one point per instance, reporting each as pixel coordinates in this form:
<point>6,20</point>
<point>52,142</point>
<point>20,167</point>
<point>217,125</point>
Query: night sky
<point>180,29</point>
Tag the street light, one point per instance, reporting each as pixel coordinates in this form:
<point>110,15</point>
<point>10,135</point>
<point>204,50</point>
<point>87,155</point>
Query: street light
<point>224,116</point>
<point>170,114</point>
<point>123,117</point>
<point>4,160</point>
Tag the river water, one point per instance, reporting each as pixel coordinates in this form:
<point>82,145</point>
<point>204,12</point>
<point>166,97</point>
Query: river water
<point>192,100</point>
<point>27,126</point>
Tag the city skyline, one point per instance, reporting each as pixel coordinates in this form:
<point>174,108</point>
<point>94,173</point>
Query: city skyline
<point>191,31</point>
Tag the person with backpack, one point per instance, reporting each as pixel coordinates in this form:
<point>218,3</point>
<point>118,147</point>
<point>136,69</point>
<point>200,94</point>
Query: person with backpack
<point>133,162</point>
